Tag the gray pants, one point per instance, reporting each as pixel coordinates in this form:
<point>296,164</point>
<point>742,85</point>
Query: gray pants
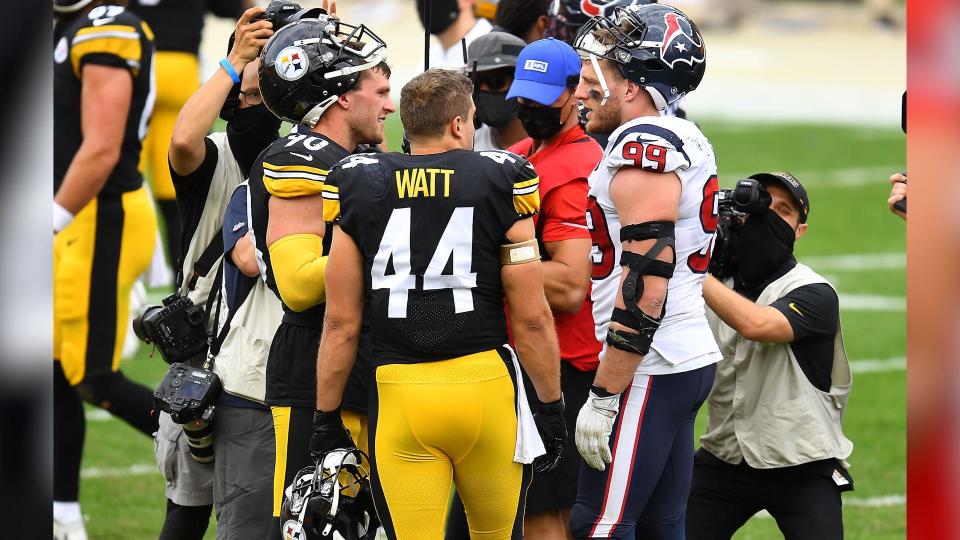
<point>243,441</point>
<point>188,483</point>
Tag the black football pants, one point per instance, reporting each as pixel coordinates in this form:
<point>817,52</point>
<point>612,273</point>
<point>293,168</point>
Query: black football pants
<point>805,504</point>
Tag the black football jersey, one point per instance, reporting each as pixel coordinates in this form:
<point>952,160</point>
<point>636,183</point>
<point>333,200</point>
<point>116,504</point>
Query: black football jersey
<point>110,36</point>
<point>430,229</point>
<point>293,166</point>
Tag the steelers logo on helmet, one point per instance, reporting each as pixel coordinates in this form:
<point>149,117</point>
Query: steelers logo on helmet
<point>61,51</point>
<point>292,63</point>
<point>292,530</point>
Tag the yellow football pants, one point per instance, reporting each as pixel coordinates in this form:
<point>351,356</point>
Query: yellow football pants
<point>293,427</point>
<point>437,424</point>
<point>177,78</point>
<point>96,260</point>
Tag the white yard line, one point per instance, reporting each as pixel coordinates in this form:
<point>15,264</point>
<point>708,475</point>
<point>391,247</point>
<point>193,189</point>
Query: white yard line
<point>856,262</point>
<point>878,365</point>
<point>140,469</point>
<point>872,302</point>
<point>871,502</point>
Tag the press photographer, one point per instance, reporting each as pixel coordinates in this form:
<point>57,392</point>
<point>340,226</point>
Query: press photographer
<point>774,439</point>
<point>205,170</point>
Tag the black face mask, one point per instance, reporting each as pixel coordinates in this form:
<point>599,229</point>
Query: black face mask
<point>250,131</point>
<point>493,110</point>
<point>540,123</point>
<point>765,246</point>
<point>442,14</point>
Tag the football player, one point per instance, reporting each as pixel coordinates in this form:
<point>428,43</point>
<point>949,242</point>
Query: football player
<point>330,78</point>
<point>433,241</point>
<point>104,226</point>
<point>652,213</point>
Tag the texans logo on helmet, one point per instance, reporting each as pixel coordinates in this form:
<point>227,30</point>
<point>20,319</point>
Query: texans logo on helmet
<point>589,8</point>
<point>678,43</point>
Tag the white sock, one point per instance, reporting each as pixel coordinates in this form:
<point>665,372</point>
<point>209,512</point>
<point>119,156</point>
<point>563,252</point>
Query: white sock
<point>67,512</point>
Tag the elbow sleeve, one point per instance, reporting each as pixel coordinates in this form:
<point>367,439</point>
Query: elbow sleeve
<point>298,267</point>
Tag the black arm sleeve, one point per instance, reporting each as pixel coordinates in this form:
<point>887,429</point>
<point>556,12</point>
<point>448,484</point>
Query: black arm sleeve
<point>813,311</point>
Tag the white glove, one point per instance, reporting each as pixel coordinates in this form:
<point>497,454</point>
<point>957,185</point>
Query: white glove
<point>594,425</point>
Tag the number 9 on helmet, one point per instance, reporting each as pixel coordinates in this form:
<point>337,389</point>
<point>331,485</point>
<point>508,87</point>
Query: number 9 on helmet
<point>330,500</point>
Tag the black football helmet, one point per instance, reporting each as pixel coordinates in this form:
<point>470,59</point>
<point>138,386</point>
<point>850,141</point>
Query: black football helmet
<point>69,6</point>
<point>330,500</point>
<point>655,46</point>
<point>310,63</point>
<point>567,16</point>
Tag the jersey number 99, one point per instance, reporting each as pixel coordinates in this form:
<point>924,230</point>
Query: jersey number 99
<point>456,241</point>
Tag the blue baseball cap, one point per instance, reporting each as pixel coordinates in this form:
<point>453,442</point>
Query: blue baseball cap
<point>544,69</point>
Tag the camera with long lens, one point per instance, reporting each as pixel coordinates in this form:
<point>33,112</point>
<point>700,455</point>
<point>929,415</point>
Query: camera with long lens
<point>177,329</point>
<point>188,395</point>
<point>282,13</point>
<point>748,197</point>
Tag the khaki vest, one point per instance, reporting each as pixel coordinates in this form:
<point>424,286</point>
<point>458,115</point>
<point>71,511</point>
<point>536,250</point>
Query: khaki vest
<point>762,407</point>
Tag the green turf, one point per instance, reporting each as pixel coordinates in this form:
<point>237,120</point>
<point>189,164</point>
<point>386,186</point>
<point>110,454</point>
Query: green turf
<point>848,216</point>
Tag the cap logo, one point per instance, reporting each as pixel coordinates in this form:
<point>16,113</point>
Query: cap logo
<point>292,63</point>
<point>788,177</point>
<point>535,65</point>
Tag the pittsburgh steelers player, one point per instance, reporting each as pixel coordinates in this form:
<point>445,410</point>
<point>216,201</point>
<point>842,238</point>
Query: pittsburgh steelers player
<point>332,79</point>
<point>104,226</point>
<point>432,242</point>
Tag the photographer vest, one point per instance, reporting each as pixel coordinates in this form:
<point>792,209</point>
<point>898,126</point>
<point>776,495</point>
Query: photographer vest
<point>226,176</point>
<point>762,407</point>
<point>241,363</point>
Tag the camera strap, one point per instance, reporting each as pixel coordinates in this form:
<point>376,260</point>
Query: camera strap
<point>217,337</point>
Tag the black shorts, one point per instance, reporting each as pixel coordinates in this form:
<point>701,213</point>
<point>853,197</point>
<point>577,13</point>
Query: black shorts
<point>557,489</point>
<point>292,368</point>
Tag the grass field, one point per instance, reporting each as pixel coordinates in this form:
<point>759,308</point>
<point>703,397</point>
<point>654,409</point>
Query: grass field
<point>853,240</point>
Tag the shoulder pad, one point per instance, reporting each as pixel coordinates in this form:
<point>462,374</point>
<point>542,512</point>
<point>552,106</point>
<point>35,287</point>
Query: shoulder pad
<point>650,147</point>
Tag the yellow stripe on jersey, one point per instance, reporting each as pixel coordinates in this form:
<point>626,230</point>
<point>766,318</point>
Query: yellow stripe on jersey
<point>105,29</point>
<point>525,205</point>
<point>331,209</point>
<point>288,188</point>
<point>526,183</point>
<point>289,181</point>
<point>146,30</point>
<point>294,168</point>
<point>122,41</point>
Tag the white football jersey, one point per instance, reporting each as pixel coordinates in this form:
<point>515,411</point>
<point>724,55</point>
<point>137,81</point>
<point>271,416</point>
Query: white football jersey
<point>662,144</point>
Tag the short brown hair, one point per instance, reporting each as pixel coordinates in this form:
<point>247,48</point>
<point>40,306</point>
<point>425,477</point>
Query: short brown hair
<point>382,67</point>
<point>432,99</point>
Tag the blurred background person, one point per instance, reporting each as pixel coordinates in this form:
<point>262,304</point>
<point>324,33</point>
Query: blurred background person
<point>495,54</point>
<point>774,439</point>
<point>451,21</point>
<point>526,19</point>
<point>104,227</point>
<point>177,26</point>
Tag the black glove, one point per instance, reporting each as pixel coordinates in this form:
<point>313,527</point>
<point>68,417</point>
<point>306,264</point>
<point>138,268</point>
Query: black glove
<point>329,433</point>
<point>553,431</point>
